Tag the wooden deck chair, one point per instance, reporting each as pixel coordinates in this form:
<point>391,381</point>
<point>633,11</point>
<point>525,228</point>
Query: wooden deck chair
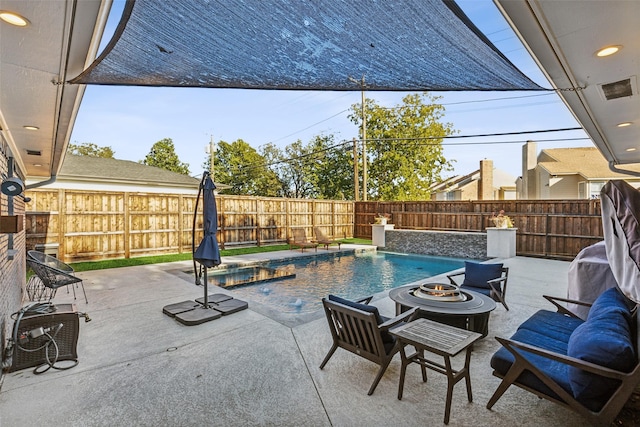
<point>488,279</point>
<point>300,240</point>
<point>358,328</point>
<point>325,240</point>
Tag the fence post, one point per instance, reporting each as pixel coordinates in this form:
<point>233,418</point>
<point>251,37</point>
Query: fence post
<point>62,225</point>
<point>547,231</point>
<point>127,226</point>
<point>259,210</point>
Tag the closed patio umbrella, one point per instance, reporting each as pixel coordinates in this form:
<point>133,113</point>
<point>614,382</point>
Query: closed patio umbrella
<point>208,253</point>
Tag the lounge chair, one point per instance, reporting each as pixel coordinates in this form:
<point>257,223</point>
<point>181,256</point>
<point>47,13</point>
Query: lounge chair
<point>488,279</point>
<point>53,273</point>
<point>359,329</point>
<point>300,240</point>
<point>325,240</point>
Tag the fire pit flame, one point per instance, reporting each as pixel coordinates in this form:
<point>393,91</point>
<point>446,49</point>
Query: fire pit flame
<point>439,292</point>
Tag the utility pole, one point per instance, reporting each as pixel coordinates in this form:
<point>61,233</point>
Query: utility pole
<point>210,149</point>
<point>364,137</point>
<point>356,178</point>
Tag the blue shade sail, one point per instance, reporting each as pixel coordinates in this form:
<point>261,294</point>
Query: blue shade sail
<point>399,45</point>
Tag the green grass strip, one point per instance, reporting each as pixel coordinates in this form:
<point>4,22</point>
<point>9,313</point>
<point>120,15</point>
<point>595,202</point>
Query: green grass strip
<point>157,259</point>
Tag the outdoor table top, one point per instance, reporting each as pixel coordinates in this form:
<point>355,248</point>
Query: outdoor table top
<point>475,304</point>
<point>436,337</point>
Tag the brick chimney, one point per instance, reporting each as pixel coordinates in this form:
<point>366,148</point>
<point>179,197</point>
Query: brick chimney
<point>485,185</point>
<point>529,162</point>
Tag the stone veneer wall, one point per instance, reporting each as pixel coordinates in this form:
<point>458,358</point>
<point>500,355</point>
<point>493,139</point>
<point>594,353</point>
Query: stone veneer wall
<point>439,243</point>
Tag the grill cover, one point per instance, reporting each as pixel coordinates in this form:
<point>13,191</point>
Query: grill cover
<point>400,45</point>
<point>621,226</point>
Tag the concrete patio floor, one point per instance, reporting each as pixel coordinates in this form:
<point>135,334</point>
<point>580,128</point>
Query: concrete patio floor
<point>139,367</point>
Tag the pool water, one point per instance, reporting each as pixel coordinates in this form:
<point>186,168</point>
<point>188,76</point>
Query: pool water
<point>347,275</point>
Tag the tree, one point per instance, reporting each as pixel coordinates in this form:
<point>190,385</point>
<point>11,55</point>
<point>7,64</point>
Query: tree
<point>319,169</point>
<point>404,147</point>
<point>245,170</point>
<point>163,156</point>
<point>332,167</point>
<point>91,150</point>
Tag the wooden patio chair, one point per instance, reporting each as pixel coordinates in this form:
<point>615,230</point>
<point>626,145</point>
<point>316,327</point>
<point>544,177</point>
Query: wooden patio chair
<point>325,240</point>
<point>300,240</point>
<point>487,279</point>
<point>53,273</point>
<point>358,328</point>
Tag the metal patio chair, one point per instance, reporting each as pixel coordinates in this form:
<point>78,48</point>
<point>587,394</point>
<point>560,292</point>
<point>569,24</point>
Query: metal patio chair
<point>54,273</point>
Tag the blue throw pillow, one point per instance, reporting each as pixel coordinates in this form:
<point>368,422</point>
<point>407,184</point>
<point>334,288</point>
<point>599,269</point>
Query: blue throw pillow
<point>477,275</point>
<point>364,307</point>
<point>605,341</point>
<point>387,338</point>
<point>609,301</point>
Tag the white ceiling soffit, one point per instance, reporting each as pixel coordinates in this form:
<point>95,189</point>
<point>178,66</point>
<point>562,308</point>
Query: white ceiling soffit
<point>61,39</point>
<point>563,36</point>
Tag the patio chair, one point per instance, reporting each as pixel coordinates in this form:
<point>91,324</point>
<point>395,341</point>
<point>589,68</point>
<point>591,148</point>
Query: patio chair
<point>325,240</point>
<point>358,328</point>
<point>53,273</point>
<point>487,279</point>
<point>300,240</point>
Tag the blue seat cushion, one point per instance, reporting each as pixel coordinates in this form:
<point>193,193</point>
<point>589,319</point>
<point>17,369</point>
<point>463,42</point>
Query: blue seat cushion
<point>604,340</point>
<point>387,339</point>
<point>552,324</point>
<point>503,359</point>
<point>477,275</point>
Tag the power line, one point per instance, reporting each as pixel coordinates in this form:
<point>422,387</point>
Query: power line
<point>348,142</point>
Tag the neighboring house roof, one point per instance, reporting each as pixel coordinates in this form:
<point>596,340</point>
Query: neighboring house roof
<point>585,161</point>
<point>88,168</point>
<point>501,179</point>
<point>455,182</point>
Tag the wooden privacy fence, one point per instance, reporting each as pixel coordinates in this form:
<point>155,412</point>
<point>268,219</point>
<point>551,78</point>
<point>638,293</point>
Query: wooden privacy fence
<point>548,228</point>
<point>88,225</point>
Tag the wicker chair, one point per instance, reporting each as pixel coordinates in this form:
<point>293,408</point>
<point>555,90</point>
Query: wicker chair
<point>359,329</point>
<point>53,273</point>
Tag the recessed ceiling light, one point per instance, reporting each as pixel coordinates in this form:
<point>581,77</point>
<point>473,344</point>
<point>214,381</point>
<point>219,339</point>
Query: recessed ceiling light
<point>13,18</point>
<point>631,149</point>
<point>30,127</point>
<point>37,165</point>
<point>608,50</point>
<point>624,124</point>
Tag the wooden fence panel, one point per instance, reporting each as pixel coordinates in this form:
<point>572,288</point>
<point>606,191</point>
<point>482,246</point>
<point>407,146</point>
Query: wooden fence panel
<point>272,220</point>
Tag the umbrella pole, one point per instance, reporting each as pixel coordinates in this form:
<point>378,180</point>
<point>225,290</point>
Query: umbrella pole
<point>206,289</point>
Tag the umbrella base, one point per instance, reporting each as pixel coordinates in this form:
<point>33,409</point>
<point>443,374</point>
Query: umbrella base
<point>180,307</point>
<point>197,316</point>
<point>214,298</point>
<point>231,306</point>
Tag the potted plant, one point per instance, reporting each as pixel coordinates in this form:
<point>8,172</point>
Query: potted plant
<point>382,218</point>
<point>501,220</point>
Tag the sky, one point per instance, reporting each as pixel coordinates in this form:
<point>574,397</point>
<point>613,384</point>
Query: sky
<point>131,119</point>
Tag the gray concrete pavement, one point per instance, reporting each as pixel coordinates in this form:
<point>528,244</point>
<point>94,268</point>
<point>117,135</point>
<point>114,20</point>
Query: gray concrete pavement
<point>139,367</point>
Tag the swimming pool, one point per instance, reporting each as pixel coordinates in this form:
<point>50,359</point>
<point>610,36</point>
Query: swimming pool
<point>349,275</point>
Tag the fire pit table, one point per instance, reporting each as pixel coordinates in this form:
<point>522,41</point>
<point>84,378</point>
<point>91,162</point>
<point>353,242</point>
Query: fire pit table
<point>447,304</point>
